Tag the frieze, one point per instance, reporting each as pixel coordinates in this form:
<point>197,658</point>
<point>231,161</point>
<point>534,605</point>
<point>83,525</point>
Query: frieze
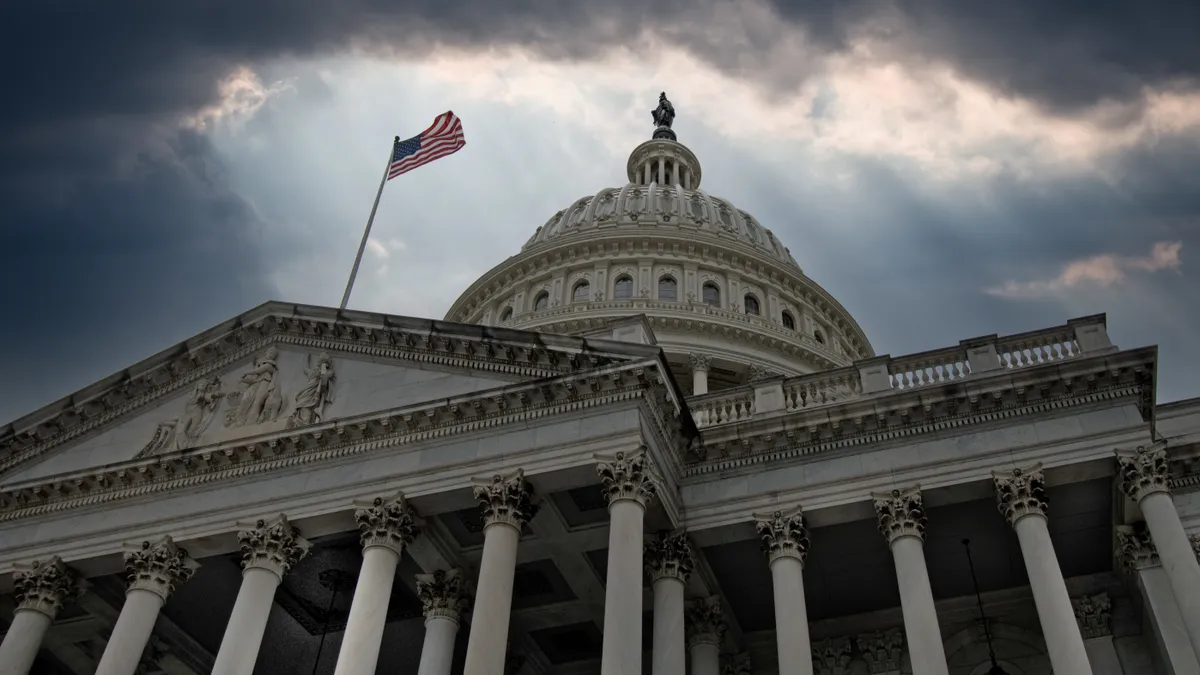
<point>192,365</point>
<point>342,438</point>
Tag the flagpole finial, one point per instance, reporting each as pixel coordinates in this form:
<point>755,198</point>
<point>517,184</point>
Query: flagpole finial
<point>396,139</point>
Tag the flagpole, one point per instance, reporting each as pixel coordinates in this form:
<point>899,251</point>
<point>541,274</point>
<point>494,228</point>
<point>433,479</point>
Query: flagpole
<point>362,245</point>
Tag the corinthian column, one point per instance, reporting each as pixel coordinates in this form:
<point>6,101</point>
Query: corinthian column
<point>902,522</point>
<point>268,552</point>
<point>706,624</point>
<point>41,590</point>
<point>1138,557</point>
<point>786,542</point>
<point>154,570</point>
<point>628,487</point>
<point>668,564</point>
<point>699,363</point>
<point>1021,498</point>
<point>1144,477</point>
<point>443,599</point>
<point>386,527</point>
<point>507,503</point>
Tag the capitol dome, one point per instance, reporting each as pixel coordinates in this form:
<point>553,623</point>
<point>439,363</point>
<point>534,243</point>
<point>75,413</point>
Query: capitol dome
<point>723,296</point>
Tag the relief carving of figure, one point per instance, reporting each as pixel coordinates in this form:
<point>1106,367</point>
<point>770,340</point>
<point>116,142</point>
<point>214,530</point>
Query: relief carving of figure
<point>184,431</point>
<point>261,401</point>
<point>316,394</point>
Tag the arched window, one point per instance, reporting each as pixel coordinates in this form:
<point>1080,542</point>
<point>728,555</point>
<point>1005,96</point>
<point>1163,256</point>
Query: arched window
<point>580,292</point>
<point>623,288</point>
<point>668,289</point>
<point>710,294</point>
<point>506,314</point>
<point>818,337</point>
<point>789,322</point>
<point>752,305</point>
<point>542,301</point>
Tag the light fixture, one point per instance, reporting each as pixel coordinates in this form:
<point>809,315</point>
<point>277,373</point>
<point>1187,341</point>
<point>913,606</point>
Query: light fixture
<point>987,631</point>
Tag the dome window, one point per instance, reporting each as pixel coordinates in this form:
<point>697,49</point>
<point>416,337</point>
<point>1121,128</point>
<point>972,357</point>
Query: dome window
<point>752,305</point>
<point>623,288</point>
<point>668,289</point>
<point>789,322</point>
<point>542,301</point>
<point>506,314</point>
<point>581,292</point>
<point>710,294</point>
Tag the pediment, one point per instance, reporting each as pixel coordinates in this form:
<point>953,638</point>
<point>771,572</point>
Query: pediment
<point>280,373</point>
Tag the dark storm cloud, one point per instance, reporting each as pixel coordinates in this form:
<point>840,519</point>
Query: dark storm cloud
<point>122,234</point>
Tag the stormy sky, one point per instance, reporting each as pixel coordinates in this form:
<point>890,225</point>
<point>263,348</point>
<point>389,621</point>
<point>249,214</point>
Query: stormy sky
<point>945,169</point>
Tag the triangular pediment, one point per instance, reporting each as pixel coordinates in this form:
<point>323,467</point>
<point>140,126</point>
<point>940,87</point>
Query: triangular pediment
<point>281,368</point>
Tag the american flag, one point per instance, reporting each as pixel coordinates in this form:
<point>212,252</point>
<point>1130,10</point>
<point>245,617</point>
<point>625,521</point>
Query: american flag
<point>443,137</point>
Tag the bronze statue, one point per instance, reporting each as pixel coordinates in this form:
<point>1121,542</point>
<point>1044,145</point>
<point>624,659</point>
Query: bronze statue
<point>664,114</point>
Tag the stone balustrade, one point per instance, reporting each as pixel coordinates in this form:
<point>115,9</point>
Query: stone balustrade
<point>886,374</point>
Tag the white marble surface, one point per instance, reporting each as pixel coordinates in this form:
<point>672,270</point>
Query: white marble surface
<point>247,623</point>
<point>362,386</point>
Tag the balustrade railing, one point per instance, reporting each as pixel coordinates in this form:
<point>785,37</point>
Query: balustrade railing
<point>869,377</point>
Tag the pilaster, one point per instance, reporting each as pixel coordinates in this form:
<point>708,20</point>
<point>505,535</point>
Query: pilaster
<point>389,524</point>
<point>670,555</point>
<point>882,650</point>
<point>901,513</point>
<point>443,594</point>
<point>737,664</point>
<point>273,546</point>
<point>1021,493</point>
<point>506,499</point>
<point>1135,548</point>
<point>832,656</point>
<point>45,587</point>
<point>159,567</point>
<point>783,534</point>
<point>627,476</point>
<point>1094,614</point>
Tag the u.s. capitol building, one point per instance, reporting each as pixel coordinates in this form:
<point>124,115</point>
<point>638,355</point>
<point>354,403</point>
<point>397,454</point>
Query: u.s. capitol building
<point>646,443</point>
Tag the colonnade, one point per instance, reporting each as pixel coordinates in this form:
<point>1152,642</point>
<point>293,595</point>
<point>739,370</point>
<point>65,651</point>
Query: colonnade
<point>683,631</point>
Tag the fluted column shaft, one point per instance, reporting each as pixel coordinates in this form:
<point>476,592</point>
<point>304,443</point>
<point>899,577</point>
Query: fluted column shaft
<point>386,528</point>
<point>41,590</point>
<point>268,552</point>
<point>1021,498</point>
<point>507,506</point>
<point>786,541</point>
<point>627,487</point>
<point>902,521</point>
<point>1144,477</point>
<point>154,571</point>
<point>443,599</point>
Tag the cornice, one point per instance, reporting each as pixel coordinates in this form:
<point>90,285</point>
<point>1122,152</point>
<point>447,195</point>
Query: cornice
<point>350,436</point>
<point>512,352</point>
<point>906,413</point>
<point>723,252</point>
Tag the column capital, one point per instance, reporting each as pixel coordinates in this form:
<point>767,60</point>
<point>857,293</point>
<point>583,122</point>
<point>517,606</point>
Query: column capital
<point>705,621</point>
<point>273,545</point>
<point>882,650</point>
<point>1135,548</point>
<point>627,476</point>
<point>443,594</point>
<point>1093,613</point>
<point>783,534</point>
<point>831,656</point>
<point>506,499</point>
<point>901,513</point>
<point>737,664</point>
<point>1020,493</point>
<point>46,586</point>
<point>1194,540</point>
<point>159,567</point>
<point>1144,471</point>
<point>669,556</point>
<point>390,524</point>
<point>699,362</point>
